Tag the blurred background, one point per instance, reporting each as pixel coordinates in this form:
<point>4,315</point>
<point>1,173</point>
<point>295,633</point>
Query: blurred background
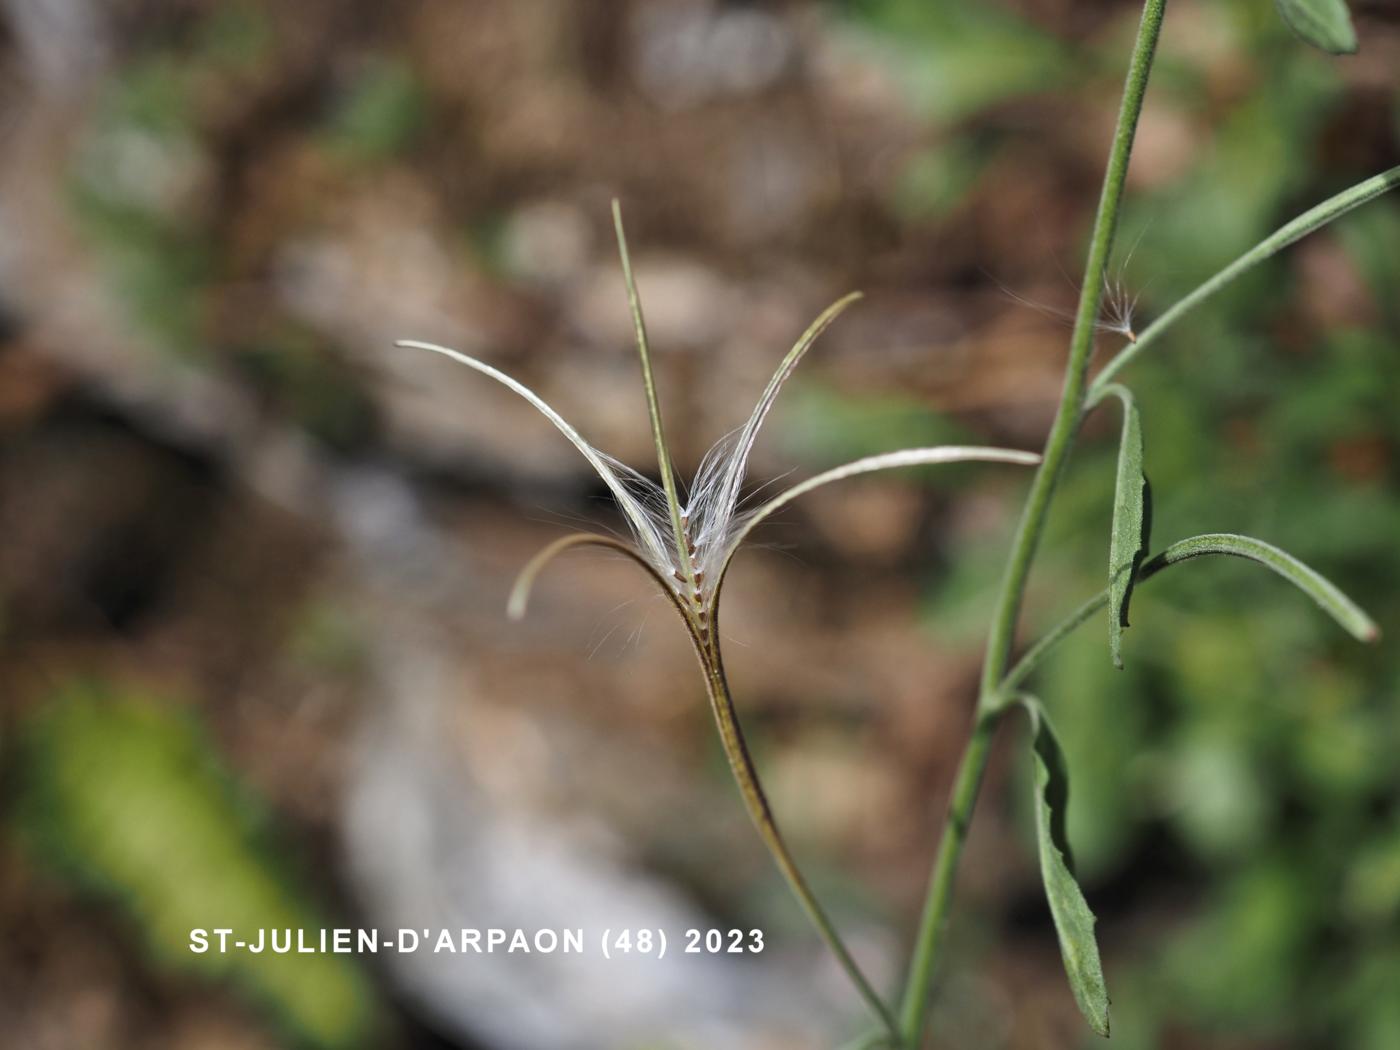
<point>254,664</point>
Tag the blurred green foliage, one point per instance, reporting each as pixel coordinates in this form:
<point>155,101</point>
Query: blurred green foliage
<point>140,183</point>
<point>823,426</point>
<point>235,35</point>
<point>305,381</point>
<point>125,795</point>
<point>132,186</point>
<point>381,113</point>
<point>955,58</point>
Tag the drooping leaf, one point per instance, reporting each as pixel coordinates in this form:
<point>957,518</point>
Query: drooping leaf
<point>1074,922</point>
<point>1132,522</point>
<point>1325,24</point>
<point>1316,586</point>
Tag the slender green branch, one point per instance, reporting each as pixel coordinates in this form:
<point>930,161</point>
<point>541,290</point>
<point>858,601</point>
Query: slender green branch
<point>1314,219</point>
<point>921,972</point>
<point>940,889</point>
<point>1037,653</point>
<point>761,813</point>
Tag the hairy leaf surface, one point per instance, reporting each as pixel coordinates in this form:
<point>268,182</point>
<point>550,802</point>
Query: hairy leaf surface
<point>1132,521</point>
<point>1074,922</point>
<point>1325,24</point>
<point>1307,579</point>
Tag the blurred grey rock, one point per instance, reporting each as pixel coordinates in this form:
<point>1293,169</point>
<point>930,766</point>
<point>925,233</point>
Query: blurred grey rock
<point>62,43</point>
<point>445,828</point>
<point>687,304</point>
<point>775,179</point>
<point>686,54</point>
<point>547,242</point>
<point>431,849</point>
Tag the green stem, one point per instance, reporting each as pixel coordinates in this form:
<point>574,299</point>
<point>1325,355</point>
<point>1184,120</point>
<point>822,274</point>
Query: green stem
<point>1057,448</point>
<point>940,888</point>
<point>1071,407</point>
<point>1313,219</point>
<point>741,764</point>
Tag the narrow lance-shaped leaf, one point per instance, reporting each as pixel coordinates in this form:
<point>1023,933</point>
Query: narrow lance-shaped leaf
<point>1316,586</point>
<point>1132,521</point>
<point>1325,24</point>
<point>1074,922</point>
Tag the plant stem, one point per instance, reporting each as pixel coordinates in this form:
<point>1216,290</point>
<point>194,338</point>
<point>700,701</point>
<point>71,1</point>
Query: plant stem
<point>1071,406</point>
<point>940,888</point>
<point>1057,447</point>
<point>761,813</point>
<point>1037,653</point>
